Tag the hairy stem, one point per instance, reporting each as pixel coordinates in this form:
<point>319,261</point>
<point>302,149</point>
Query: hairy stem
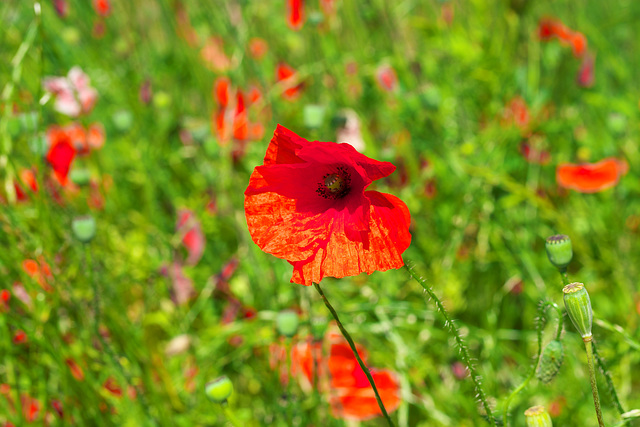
<point>464,352</point>
<point>592,377</point>
<point>364,368</point>
<point>607,376</point>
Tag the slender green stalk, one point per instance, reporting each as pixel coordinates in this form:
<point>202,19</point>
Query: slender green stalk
<point>231,417</point>
<point>592,376</point>
<point>364,368</point>
<point>605,372</point>
<point>464,352</point>
<point>542,310</point>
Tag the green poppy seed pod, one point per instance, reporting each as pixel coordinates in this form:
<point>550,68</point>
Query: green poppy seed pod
<point>550,362</point>
<point>559,251</point>
<point>84,228</point>
<point>578,305</point>
<point>537,416</point>
<point>219,390</point>
<point>80,177</point>
<point>287,323</point>
<point>313,115</point>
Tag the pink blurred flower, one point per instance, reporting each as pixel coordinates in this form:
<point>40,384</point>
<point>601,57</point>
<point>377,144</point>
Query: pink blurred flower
<point>193,240</point>
<point>74,95</point>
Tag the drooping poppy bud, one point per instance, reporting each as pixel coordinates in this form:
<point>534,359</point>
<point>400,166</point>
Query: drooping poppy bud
<point>287,323</point>
<point>550,362</point>
<point>219,390</point>
<point>537,416</point>
<point>559,251</point>
<point>578,306</point>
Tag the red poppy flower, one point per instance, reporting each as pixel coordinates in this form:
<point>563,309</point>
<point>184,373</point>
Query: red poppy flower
<point>75,369</point>
<point>28,178</point>
<point>222,91</point>
<point>112,387</point>
<point>193,239</point>
<point>57,406</point>
<point>95,136</point>
<point>591,177</point>
<point>20,337</point>
<point>30,407</point>
<point>258,48</point>
<point>102,7</point>
<point>61,153</point>
<point>307,204</point>
<point>586,73</point>
<point>287,76</point>
<point>295,14</point>
<point>240,119</point>
<point>5,296</point>
<point>386,78</point>
<point>350,394</point>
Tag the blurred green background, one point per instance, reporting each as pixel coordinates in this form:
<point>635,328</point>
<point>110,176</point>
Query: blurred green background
<point>480,210</point>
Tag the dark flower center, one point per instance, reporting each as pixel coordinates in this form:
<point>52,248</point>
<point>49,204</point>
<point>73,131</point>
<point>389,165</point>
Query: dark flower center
<point>335,185</point>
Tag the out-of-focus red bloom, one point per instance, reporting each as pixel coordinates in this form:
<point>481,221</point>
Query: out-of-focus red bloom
<point>5,296</point>
<point>57,406</point>
<point>39,271</point>
<point>20,337</point>
<point>182,289</point>
<point>102,7</point>
<point>213,55</point>
<point>95,136</point>
<point>307,204</point>
<point>516,112</point>
<point>254,95</point>
<point>61,8</point>
<point>28,177</point>
<point>74,95</point>
<point>30,408</point>
<point>350,394</point>
<point>288,77</point>
<point>534,155</point>
<point>557,406</point>
<point>431,189</point>
<point>112,387</point>
<point>240,119</point>
<point>549,28</point>
<point>193,240</point>
<point>222,91</point>
<point>146,92</point>
<point>586,74</point>
<point>328,6</point>
<point>75,369</point>
<point>386,78</point>
<point>258,48</point>
<point>591,177</point>
<point>256,131</point>
<point>61,153</point>
<point>295,14</point>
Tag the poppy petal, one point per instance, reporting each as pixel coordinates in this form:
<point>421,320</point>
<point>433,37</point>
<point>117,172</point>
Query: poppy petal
<point>591,177</point>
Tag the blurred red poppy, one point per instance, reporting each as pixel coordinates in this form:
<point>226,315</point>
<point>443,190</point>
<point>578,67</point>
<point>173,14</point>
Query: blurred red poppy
<point>534,155</point>
<point>28,178</point>
<point>214,56</point>
<point>295,14</point>
<point>61,153</point>
<point>112,387</point>
<point>517,113</point>
<point>591,177</point>
<point>75,369</point>
<point>57,406</point>
<point>386,78</point>
<point>222,91</point>
<point>5,296</point>
<point>102,7</point>
<point>288,77</point>
<point>258,48</point>
<point>30,408</point>
<point>307,204</point>
<point>586,73</point>
<point>193,239</point>
<point>349,391</point>
<point>20,337</point>
<point>240,119</point>
<point>549,29</point>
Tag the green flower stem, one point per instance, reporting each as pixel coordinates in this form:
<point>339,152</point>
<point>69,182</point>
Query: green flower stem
<point>542,310</point>
<point>230,415</point>
<point>364,368</point>
<point>592,376</point>
<point>605,372</point>
<point>463,349</point>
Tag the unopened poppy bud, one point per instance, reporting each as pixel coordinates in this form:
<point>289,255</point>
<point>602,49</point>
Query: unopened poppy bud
<point>537,416</point>
<point>287,323</point>
<point>578,305</point>
<point>559,251</point>
<point>84,228</point>
<point>550,362</point>
<point>80,176</point>
<point>219,390</point>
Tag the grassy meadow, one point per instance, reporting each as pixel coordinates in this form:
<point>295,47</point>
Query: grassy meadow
<point>173,105</point>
